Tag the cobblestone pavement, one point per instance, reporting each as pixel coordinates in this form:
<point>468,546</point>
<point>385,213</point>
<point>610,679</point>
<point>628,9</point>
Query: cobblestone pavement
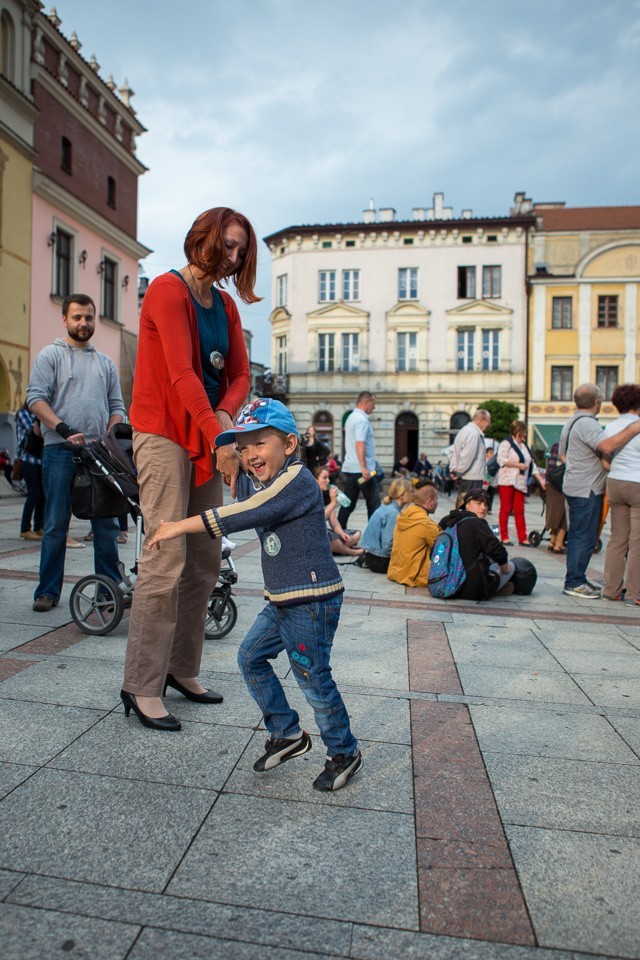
<point>497,814</point>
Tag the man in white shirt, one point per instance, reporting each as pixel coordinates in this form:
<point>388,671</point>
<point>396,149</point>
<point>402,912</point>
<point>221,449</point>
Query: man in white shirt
<point>360,458</point>
<point>469,456</point>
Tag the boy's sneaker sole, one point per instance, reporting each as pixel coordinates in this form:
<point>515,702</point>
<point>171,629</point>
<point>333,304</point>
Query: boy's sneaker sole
<point>338,771</point>
<point>584,592</point>
<point>278,751</point>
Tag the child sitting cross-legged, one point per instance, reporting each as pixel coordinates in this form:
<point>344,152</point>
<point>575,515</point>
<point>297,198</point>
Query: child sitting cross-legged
<point>278,496</point>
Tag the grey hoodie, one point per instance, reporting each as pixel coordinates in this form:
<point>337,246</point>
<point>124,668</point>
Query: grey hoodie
<point>81,386</point>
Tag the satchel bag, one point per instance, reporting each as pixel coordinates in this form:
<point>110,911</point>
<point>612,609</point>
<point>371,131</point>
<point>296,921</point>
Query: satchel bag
<point>555,475</point>
<point>93,496</point>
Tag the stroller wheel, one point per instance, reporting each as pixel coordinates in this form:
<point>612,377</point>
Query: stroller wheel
<point>222,614</point>
<point>96,604</point>
<point>535,538</point>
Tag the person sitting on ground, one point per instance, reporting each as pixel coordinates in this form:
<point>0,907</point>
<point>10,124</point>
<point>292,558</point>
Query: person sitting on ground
<point>486,561</point>
<point>279,498</point>
<point>343,542</point>
<point>422,468</point>
<point>377,539</point>
<point>333,466</point>
<point>414,537</point>
<point>401,467</point>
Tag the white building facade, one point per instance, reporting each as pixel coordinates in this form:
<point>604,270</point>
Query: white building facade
<point>430,314</point>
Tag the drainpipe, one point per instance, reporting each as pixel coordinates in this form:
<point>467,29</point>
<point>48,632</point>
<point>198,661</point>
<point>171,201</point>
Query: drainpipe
<point>527,288</point>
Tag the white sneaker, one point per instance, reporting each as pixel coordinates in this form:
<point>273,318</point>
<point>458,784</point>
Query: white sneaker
<point>585,591</point>
<point>228,544</point>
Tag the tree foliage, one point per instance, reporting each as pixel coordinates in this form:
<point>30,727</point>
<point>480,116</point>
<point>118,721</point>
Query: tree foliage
<point>502,415</point>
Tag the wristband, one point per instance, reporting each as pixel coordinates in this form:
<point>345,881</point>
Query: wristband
<point>64,430</point>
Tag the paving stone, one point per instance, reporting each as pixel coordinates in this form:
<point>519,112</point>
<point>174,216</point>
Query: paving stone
<point>180,914</point>
<point>182,946</point>
<point>629,730</point>
<point>237,710</point>
<point>385,783</point>
<point>74,682</point>
<point>310,855</point>
<point>519,653</point>
<point>28,934</point>
<point>532,685</point>
<point>14,634</point>
<point>583,891</point>
<point>549,733</point>
<point>611,691</point>
<point>453,807</point>
<point>12,775</point>
<point>602,664</point>
<point>9,880</point>
<point>202,755</point>
<point>63,818</point>
<point>566,794</point>
<point>20,612</point>
<point>384,718</point>
<point>33,733</point>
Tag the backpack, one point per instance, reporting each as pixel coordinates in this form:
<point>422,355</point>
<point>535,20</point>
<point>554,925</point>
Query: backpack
<point>492,465</point>
<point>447,572</point>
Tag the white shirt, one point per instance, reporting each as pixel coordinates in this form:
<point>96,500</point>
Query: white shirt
<point>626,462</point>
<point>359,428</point>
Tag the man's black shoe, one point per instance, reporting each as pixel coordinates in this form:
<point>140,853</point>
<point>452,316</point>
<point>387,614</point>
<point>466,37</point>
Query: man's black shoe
<point>338,770</point>
<point>277,751</point>
<point>44,603</point>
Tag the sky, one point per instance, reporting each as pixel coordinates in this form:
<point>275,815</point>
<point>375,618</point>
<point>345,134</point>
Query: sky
<point>298,112</point>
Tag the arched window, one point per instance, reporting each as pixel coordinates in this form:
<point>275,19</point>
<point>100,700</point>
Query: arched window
<point>457,422</point>
<point>7,46</point>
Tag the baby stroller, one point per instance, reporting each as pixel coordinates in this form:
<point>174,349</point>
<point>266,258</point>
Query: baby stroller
<point>105,486</point>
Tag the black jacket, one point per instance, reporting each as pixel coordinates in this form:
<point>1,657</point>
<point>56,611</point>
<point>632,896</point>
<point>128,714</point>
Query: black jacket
<point>478,548</point>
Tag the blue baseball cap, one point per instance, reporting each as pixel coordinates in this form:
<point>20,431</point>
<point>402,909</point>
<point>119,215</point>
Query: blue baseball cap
<point>263,412</point>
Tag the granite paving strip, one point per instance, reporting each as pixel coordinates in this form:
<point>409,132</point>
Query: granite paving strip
<point>55,641</point>
<point>432,668</point>
<point>243,923</point>
<point>153,944</point>
<point>9,880</point>
<point>12,775</point>
<point>34,733</point>
<point>53,934</point>
<point>9,667</point>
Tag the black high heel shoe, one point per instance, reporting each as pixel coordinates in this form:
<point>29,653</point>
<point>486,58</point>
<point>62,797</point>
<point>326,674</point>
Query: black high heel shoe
<point>154,723</point>
<point>209,696</point>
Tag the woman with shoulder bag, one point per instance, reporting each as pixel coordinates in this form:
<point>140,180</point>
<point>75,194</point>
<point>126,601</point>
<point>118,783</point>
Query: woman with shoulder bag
<point>29,460</point>
<point>516,467</point>
<point>555,508</point>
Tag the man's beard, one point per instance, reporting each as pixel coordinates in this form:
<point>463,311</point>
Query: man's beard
<point>81,336</point>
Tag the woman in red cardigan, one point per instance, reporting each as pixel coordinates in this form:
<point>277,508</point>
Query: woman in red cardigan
<point>191,378</point>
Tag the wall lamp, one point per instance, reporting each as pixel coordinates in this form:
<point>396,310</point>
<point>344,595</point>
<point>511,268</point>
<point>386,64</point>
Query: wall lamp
<point>51,242</point>
<point>101,266</point>
<point>125,281</point>
<point>83,258</point>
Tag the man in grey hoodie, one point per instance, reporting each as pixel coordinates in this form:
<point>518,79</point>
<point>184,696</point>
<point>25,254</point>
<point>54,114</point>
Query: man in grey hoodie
<point>75,394</point>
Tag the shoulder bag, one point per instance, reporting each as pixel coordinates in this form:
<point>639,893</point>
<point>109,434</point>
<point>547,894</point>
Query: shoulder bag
<point>555,475</point>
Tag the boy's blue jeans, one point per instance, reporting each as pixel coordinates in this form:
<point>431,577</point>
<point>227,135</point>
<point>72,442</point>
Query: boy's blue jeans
<point>58,471</point>
<point>306,633</point>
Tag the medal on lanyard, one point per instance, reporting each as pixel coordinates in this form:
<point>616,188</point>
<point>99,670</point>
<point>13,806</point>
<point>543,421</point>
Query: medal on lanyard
<point>216,359</point>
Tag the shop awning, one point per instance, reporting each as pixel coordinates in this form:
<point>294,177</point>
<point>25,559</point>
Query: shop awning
<point>546,434</point>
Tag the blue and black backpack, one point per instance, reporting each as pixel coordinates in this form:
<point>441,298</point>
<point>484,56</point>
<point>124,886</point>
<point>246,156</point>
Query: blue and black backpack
<point>447,572</point>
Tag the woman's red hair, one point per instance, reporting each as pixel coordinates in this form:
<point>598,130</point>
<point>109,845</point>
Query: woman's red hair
<point>204,248</point>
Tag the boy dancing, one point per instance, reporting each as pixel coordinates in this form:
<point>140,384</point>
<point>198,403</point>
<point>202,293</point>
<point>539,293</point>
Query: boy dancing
<point>280,498</point>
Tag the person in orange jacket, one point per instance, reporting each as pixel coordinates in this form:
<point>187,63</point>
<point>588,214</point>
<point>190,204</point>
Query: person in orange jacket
<point>414,537</point>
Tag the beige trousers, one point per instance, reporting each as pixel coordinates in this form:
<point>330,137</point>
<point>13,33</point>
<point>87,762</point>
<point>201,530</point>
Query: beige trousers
<point>166,630</point>
<point>623,549</point>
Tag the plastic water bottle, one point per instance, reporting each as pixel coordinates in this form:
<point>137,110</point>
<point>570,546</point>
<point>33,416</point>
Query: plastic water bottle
<point>341,497</point>
<point>361,480</point>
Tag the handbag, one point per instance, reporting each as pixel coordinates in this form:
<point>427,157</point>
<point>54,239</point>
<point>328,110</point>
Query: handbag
<point>16,473</point>
<point>33,444</point>
<point>555,475</point>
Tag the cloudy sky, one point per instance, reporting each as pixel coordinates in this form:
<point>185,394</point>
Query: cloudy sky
<point>299,112</point>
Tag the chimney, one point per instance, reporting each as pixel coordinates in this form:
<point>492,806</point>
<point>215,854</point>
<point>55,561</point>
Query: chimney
<point>419,213</point>
<point>387,214</point>
<point>369,215</point>
<point>467,214</point>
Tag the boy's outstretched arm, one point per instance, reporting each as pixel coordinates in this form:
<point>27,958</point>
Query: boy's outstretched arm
<point>170,529</point>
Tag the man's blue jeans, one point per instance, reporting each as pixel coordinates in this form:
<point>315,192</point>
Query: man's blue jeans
<point>58,471</point>
<point>306,633</point>
<point>584,523</point>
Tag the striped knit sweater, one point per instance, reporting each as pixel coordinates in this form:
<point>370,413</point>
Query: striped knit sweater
<point>288,516</point>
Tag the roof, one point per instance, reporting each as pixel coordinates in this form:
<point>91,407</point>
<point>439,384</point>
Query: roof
<point>558,218</point>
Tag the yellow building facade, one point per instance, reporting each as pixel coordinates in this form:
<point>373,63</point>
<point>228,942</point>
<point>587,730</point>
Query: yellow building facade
<point>584,310</point>
<point>16,170</point>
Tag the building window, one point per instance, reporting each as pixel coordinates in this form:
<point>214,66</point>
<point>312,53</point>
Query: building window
<point>327,243</point>
<point>408,241</point>
<point>111,193</point>
<point>63,254</point>
<point>561,383</point>
<point>66,155</point>
<point>7,47</point>
<point>408,283</point>
<point>350,355</point>
<point>466,283</point>
<point>109,277</point>
<point>608,311</point>
<point>561,313</point>
<point>327,290</point>
<point>491,281</point>
<point>349,243</point>
<point>465,349</point>
<point>281,355</point>
<point>467,239</point>
<point>281,290</point>
<point>607,380</point>
<point>407,352</point>
<point>326,353</point>
<point>350,284</point>
<point>490,349</point>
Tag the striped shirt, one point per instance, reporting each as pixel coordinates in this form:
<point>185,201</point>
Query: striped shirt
<point>24,421</point>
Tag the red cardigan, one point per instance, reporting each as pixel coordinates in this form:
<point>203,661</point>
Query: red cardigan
<point>169,398</point>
